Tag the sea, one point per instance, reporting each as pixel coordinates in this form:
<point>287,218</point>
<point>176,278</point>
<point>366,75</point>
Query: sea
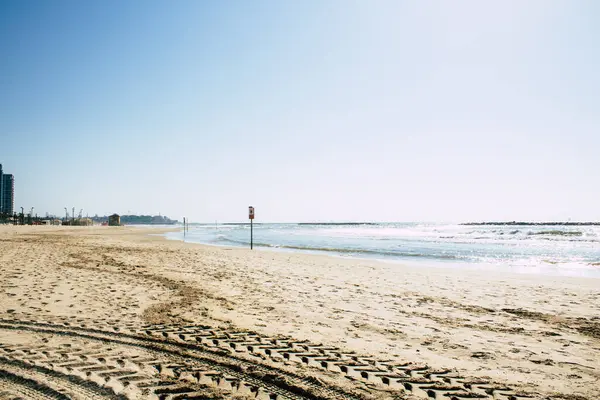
<point>560,250</point>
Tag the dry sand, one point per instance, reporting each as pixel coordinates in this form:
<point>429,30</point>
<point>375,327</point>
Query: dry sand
<point>418,332</point>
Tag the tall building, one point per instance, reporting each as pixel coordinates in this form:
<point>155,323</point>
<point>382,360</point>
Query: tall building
<point>7,192</point>
<point>1,188</point>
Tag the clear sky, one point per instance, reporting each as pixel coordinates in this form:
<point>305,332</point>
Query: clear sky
<point>312,110</point>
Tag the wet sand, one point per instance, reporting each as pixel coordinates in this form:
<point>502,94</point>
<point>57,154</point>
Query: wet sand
<point>537,335</point>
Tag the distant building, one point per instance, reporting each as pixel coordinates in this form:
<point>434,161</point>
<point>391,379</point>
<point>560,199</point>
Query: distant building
<point>1,192</point>
<point>114,220</point>
<point>84,222</point>
<point>7,192</point>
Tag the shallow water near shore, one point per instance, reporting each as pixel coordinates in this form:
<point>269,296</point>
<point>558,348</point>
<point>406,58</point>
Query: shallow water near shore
<point>543,249</point>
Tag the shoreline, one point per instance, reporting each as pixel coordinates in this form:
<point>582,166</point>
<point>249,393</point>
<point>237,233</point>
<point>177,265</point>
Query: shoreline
<point>525,223</point>
<point>399,265</point>
<point>525,331</point>
<point>590,271</point>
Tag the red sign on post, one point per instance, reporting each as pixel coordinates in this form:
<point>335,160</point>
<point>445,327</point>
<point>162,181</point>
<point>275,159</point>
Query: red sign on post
<point>251,216</point>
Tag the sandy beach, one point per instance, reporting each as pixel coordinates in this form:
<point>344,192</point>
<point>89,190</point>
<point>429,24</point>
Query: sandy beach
<point>104,312</point>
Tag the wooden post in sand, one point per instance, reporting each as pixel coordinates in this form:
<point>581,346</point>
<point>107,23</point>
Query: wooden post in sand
<point>251,216</point>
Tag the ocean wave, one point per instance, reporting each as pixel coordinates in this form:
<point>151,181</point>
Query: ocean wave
<point>342,250</point>
<point>556,232</point>
<point>336,223</point>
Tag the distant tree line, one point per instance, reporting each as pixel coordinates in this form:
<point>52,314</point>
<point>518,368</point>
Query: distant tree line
<point>19,219</point>
<point>4,218</point>
<point>139,219</point>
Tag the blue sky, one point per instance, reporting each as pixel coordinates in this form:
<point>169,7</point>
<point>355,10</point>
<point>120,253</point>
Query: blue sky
<point>308,110</point>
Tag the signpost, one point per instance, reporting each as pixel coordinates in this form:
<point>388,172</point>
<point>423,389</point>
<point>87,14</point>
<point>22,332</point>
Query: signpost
<point>251,216</point>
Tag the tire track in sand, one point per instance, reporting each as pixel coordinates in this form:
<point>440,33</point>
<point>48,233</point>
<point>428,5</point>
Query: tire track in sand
<point>193,365</point>
<point>243,362</point>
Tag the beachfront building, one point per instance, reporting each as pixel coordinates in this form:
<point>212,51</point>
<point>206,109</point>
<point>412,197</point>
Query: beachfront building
<point>114,220</point>
<point>7,192</point>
